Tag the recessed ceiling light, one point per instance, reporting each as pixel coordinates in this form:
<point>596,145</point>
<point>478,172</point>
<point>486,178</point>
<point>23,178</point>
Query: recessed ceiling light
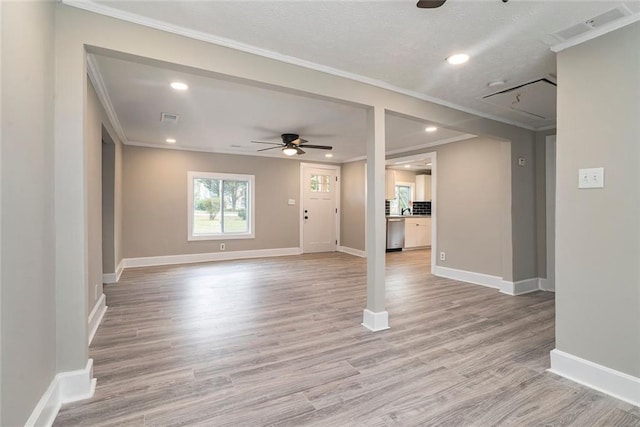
<point>496,83</point>
<point>179,86</point>
<point>328,155</point>
<point>407,166</point>
<point>458,58</point>
<point>431,129</point>
<point>171,140</point>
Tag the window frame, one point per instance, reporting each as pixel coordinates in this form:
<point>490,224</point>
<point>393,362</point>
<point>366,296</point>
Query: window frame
<point>412,193</point>
<point>250,179</point>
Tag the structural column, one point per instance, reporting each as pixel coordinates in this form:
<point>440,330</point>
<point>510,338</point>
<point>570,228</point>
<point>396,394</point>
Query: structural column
<point>375,316</point>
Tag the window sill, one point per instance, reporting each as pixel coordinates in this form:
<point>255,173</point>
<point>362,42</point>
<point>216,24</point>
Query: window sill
<point>230,236</point>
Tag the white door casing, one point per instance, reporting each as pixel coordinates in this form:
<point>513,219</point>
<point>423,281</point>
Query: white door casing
<point>320,196</point>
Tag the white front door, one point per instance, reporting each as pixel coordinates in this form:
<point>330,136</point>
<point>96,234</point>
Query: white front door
<point>319,208</point>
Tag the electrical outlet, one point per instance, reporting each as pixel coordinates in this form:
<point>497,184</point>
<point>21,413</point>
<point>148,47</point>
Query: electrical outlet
<point>591,178</point>
<point>443,256</point>
<point>222,247</point>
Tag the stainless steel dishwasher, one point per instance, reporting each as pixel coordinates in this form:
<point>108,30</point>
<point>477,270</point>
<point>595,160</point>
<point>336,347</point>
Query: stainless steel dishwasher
<point>395,234</point>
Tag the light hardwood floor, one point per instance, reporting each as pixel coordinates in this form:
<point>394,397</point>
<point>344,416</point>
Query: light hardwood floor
<point>278,341</point>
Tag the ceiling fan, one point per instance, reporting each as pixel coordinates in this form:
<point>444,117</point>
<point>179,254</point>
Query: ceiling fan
<point>292,144</point>
<point>432,4</point>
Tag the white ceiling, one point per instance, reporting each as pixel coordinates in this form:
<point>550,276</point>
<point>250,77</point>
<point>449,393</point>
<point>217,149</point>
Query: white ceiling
<point>390,43</point>
<point>223,116</point>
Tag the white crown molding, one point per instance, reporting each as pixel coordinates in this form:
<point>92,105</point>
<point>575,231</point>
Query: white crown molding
<point>375,321</point>
<point>206,257</point>
<point>596,32</point>
<point>96,315</point>
<point>614,383</point>
<point>432,144</point>
<point>462,137</point>
<point>352,251</point>
<point>101,90</point>
<point>66,387</point>
<point>90,6</point>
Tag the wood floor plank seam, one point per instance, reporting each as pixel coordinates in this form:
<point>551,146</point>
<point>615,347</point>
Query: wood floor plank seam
<point>247,343</point>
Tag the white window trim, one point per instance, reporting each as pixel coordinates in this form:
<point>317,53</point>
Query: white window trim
<point>411,185</point>
<point>251,234</point>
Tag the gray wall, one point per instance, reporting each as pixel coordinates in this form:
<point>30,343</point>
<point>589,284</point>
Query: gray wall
<point>598,230</point>
<point>27,265</point>
<point>108,205</point>
<point>155,201</point>
<point>541,200</point>
<point>353,212</point>
<point>470,204</point>
<point>94,193</point>
<point>471,200</point>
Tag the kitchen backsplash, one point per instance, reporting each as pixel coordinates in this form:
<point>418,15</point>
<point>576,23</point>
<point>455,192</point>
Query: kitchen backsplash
<point>418,208</point>
<point>421,208</point>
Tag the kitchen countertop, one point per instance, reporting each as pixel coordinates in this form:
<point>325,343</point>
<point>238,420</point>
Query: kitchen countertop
<point>408,216</point>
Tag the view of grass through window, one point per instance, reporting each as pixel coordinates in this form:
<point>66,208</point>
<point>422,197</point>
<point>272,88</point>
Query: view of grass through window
<point>219,206</point>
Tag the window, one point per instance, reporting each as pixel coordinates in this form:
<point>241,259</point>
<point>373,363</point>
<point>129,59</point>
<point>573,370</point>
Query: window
<point>220,206</point>
<point>320,183</point>
<point>403,198</point>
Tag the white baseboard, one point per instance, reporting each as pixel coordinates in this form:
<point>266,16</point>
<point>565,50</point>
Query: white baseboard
<point>66,387</point>
<point>375,321</point>
<point>96,315</point>
<point>469,276</point>
<point>606,380</point>
<point>546,285</point>
<point>520,287</point>
<point>205,257</point>
<point>114,277</point>
<point>351,251</point>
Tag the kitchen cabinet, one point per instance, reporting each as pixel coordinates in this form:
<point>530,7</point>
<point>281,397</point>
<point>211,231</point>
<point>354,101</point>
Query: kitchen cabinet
<point>423,188</point>
<point>417,232</point>
<point>390,184</point>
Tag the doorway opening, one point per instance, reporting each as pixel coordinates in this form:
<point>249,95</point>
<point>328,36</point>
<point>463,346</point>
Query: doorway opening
<point>319,207</point>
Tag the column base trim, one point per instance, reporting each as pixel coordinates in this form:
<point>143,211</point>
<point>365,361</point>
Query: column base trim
<point>66,387</point>
<point>375,321</point>
<point>598,377</point>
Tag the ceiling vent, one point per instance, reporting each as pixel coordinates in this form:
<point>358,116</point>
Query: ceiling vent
<point>169,118</point>
<point>593,23</point>
<point>536,99</point>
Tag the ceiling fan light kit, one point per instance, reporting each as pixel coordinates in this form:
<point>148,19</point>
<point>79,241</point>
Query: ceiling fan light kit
<point>292,144</point>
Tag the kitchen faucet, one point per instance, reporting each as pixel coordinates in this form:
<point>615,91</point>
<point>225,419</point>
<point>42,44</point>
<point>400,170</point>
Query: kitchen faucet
<point>405,210</point>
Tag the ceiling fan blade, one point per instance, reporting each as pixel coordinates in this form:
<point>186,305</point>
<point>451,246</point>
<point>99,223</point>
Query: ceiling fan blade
<point>319,147</point>
<point>263,142</point>
<point>302,141</point>
<point>430,4</point>
<point>300,150</point>
<point>270,148</point>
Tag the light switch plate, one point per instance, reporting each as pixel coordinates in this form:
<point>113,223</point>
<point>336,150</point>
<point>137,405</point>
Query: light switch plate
<point>591,178</point>
<point>291,202</point>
